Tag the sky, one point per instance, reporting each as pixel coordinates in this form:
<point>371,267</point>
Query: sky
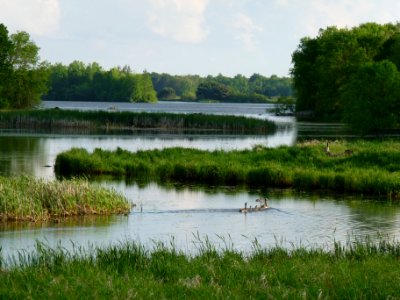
<point>179,37</point>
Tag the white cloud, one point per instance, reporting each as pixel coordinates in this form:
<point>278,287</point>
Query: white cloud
<point>40,17</point>
<point>246,30</point>
<point>315,14</point>
<point>181,20</point>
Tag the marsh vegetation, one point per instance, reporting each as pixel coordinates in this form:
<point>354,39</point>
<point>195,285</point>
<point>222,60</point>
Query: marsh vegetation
<point>57,118</point>
<point>359,270</point>
<point>28,199</point>
<point>364,167</point>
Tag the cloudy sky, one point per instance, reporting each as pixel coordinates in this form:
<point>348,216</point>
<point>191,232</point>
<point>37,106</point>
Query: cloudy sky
<point>185,36</point>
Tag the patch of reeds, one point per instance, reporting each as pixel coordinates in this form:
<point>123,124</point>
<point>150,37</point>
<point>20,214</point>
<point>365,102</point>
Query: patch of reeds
<point>57,118</point>
<point>372,168</point>
<point>129,270</point>
<point>25,198</point>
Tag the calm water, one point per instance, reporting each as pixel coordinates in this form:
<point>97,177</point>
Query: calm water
<point>184,212</point>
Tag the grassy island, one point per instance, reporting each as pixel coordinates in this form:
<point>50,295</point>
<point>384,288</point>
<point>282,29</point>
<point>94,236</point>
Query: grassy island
<point>24,198</point>
<point>366,167</point>
<point>363,271</point>
<point>58,118</point>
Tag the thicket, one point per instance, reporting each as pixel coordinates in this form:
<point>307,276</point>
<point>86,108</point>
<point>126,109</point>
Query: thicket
<point>358,271</point>
<point>351,75</point>
<point>366,167</point>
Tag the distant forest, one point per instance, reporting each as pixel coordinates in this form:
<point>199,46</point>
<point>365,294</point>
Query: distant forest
<point>90,82</point>
<point>256,88</point>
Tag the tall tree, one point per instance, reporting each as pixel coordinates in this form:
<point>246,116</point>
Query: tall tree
<point>5,65</point>
<point>26,80</point>
<point>372,98</point>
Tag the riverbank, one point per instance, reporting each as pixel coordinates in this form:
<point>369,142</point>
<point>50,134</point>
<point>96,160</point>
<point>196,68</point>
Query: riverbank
<point>365,167</point>
<point>359,271</point>
<point>28,199</point>
<point>60,118</point>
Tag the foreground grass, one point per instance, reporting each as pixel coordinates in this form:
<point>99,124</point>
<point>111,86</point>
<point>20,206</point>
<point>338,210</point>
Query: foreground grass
<point>372,169</point>
<point>56,118</point>
<point>363,271</point>
<point>24,198</point>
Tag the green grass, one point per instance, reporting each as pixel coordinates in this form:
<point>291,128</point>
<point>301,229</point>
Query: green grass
<point>128,270</point>
<point>372,169</point>
<point>24,198</point>
<point>56,118</point>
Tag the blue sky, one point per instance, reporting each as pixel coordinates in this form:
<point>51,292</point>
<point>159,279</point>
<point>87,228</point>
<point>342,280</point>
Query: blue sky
<point>185,36</point>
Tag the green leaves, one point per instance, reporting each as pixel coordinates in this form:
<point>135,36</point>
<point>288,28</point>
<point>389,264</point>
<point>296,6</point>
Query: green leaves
<point>23,79</point>
<point>372,97</point>
<point>335,77</point>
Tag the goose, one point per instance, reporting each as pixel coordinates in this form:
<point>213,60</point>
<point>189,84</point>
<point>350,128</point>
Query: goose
<point>263,202</point>
<point>244,210</point>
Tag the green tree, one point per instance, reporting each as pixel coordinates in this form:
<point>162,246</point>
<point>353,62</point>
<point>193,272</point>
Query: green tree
<point>372,98</point>
<point>213,90</point>
<point>166,93</point>
<point>27,80</point>
<point>5,65</point>
<point>323,65</point>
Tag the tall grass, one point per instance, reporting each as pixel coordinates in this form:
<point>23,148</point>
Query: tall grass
<point>55,118</point>
<point>128,270</point>
<point>24,198</point>
<point>373,168</point>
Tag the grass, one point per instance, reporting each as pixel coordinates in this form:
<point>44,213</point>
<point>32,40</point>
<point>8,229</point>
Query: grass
<point>128,270</point>
<point>372,169</point>
<point>25,198</point>
<point>57,118</point>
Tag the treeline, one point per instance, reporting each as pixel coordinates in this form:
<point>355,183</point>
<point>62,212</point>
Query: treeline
<point>23,78</point>
<point>256,88</point>
<point>90,82</point>
<point>351,75</point>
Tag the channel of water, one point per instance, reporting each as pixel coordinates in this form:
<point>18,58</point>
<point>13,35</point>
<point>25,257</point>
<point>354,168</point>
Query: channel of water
<point>186,213</point>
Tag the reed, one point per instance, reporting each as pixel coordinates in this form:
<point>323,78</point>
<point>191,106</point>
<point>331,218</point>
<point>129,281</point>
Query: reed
<point>57,118</point>
<point>128,270</point>
<point>373,168</point>
<point>25,198</point>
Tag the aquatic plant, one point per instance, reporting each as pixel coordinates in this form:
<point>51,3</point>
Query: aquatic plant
<point>372,168</point>
<point>57,118</point>
<point>25,198</point>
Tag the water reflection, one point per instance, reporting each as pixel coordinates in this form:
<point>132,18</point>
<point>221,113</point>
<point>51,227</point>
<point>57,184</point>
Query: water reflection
<point>35,153</point>
<point>184,212</point>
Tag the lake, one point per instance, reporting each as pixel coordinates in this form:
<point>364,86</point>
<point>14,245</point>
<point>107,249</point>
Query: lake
<point>184,213</point>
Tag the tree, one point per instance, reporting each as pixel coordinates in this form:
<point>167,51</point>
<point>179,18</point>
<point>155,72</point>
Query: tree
<point>213,90</point>
<point>26,79</point>
<point>166,93</point>
<point>323,65</point>
<point>372,98</point>
<point>5,65</point>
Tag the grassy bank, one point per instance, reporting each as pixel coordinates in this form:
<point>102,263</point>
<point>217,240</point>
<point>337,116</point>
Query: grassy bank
<point>24,198</point>
<point>372,168</point>
<point>363,271</point>
<point>57,118</point>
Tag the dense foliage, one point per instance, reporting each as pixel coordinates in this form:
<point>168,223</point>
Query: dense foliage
<point>23,78</point>
<point>80,82</point>
<point>356,167</point>
<point>350,74</point>
<point>256,88</point>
